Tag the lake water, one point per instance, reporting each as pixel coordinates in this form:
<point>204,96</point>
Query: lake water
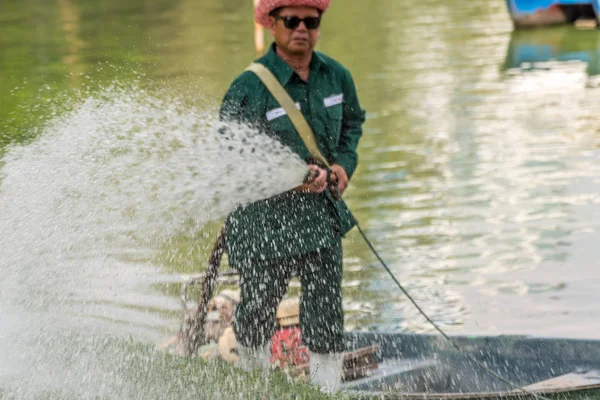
<point>479,174</point>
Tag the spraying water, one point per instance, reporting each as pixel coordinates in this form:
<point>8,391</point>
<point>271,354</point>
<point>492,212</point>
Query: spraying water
<point>84,209</point>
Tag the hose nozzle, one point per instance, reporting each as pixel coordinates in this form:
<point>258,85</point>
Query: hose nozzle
<point>311,175</point>
<point>332,180</point>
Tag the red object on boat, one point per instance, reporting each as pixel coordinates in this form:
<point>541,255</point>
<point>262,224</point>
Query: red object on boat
<point>287,349</point>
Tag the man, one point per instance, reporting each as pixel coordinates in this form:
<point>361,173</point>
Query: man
<point>298,231</point>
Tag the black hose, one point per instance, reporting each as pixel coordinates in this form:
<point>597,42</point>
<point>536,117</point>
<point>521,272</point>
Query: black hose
<point>456,346</point>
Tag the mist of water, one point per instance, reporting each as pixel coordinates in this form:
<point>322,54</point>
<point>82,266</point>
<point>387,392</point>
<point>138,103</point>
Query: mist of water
<point>99,191</point>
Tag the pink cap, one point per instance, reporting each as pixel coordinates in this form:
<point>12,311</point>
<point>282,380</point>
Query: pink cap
<point>264,7</point>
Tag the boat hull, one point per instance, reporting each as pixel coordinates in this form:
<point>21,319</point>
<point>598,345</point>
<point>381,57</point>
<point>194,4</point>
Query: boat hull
<point>429,367</point>
<point>577,394</point>
<point>537,13</point>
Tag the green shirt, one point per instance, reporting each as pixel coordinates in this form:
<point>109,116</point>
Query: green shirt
<point>295,223</point>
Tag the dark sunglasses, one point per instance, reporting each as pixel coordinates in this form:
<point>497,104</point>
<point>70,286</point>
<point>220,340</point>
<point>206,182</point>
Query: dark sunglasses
<point>294,22</point>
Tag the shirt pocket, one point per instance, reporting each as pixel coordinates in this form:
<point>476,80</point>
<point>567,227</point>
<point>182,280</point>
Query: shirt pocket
<point>280,125</point>
<point>277,118</point>
<point>334,115</point>
<point>283,129</point>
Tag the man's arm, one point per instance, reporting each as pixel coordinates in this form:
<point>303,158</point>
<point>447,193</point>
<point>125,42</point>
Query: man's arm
<point>353,118</point>
<point>347,158</point>
<point>235,103</point>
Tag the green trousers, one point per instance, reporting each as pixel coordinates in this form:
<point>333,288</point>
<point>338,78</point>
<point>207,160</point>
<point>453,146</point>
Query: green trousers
<point>263,285</point>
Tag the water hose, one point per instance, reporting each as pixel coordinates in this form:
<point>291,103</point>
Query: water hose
<point>191,333</point>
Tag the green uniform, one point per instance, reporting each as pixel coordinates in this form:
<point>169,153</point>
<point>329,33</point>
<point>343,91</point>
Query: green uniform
<point>292,226</point>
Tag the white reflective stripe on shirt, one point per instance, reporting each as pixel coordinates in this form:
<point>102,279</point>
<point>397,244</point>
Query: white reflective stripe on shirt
<point>334,100</point>
<point>278,112</point>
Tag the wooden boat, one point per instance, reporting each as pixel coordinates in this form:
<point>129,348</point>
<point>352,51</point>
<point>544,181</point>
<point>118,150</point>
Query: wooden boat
<point>411,366</point>
<point>535,13</point>
<point>427,367</point>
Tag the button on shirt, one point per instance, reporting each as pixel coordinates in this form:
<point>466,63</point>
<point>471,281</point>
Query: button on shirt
<point>295,223</point>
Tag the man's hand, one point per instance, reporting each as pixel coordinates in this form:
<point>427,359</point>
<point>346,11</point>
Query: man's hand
<point>341,178</point>
<point>318,184</point>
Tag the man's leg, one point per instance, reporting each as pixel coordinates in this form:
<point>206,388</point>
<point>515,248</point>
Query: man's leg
<point>262,285</point>
<point>322,316</point>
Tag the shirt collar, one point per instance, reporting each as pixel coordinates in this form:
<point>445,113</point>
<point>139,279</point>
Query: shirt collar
<point>283,72</point>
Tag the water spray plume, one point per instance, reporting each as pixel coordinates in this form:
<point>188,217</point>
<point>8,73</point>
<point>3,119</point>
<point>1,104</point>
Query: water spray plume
<point>85,208</point>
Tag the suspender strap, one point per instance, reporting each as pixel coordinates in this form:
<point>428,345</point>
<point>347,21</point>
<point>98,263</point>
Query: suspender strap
<point>284,99</point>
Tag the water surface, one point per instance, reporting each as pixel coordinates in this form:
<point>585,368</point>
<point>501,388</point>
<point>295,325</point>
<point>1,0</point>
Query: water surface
<point>479,167</point>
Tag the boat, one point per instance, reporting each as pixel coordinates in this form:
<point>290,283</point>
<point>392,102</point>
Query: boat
<point>536,13</point>
<point>419,366</point>
<point>404,365</point>
<point>543,49</point>
<point>425,366</point>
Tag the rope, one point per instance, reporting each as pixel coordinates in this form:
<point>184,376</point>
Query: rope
<point>456,346</point>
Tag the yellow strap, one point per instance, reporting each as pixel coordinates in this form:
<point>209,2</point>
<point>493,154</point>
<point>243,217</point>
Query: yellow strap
<point>284,99</point>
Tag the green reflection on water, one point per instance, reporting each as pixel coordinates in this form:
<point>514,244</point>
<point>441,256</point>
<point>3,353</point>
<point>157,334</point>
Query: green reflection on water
<point>433,78</point>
